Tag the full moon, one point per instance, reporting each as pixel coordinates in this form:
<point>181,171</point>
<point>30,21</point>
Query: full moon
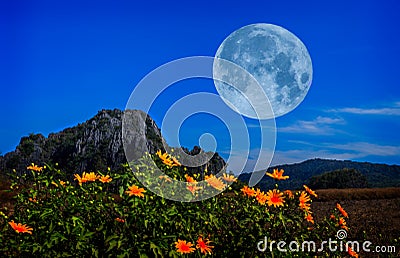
<point>277,60</point>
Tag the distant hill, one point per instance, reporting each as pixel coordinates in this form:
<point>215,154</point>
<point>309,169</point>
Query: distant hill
<point>97,144</point>
<point>91,146</point>
<point>377,175</point>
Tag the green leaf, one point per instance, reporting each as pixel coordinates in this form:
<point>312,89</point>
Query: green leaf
<point>88,234</point>
<point>46,213</point>
<point>108,239</point>
<point>113,243</point>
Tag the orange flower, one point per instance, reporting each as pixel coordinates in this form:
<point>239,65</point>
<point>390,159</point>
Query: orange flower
<point>32,199</point>
<point>274,197</point>
<point>289,194</point>
<point>203,245</point>
<point>164,158</point>
<point>19,228</point>
<point>333,217</point>
<point>261,197</point>
<point>35,168</point>
<point>215,182</point>
<point>166,178</point>
<point>248,191</point>
<point>167,159</point>
<point>311,192</point>
<point>277,174</point>
<point>304,199</point>
<point>80,179</point>
<point>342,224</point>
<point>344,213</point>
<point>351,252</point>
<point>159,154</point>
<point>90,177</point>
<point>62,183</point>
<point>120,220</point>
<point>229,178</point>
<point>305,206</point>
<point>134,190</point>
<point>309,218</point>
<point>190,179</point>
<point>105,179</point>
<point>193,188</point>
<point>184,247</point>
<point>176,162</point>
<point>86,177</point>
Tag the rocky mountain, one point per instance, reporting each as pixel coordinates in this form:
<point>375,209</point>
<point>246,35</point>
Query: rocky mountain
<point>376,175</point>
<point>91,146</point>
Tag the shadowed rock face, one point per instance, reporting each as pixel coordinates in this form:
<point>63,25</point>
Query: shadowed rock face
<point>93,145</point>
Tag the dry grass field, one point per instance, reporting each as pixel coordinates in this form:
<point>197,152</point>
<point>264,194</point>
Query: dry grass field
<point>374,214</point>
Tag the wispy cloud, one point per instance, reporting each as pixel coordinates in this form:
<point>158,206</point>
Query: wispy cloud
<point>328,120</point>
<point>320,125</point>
<point>347,151</point>
<point>302,151</point>
<point>368,149</point>
<point>390,110</point>
<point>369,111</point>
<point>299,155</point>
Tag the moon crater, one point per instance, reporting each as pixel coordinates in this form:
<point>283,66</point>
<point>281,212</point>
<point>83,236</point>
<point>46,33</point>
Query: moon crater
<point>277,60</point>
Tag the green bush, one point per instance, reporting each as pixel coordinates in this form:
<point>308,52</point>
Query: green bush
<point>339,179</point>
<point>105,214</point>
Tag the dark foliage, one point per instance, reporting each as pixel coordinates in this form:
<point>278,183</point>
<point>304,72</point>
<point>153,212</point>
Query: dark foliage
<point>340,179</point>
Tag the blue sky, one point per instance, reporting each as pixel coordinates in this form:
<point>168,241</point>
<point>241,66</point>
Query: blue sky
<point>62,61</point>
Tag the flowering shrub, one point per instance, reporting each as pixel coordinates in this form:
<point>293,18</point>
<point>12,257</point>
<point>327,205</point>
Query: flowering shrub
<point>106,214</point>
